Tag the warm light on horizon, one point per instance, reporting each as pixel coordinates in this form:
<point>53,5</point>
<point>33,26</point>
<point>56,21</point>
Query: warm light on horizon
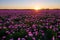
<point>37,7</point>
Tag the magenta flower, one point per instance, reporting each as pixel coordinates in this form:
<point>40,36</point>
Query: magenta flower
<point>33,38</point>
<point>42,34</point>
<point>46,27</point>
<point>7,32</point>
<point>33,26</point>
<point>51,27</point>
<point>30,34</point>
<point>36,33</point>
<point>4,27</point>
<point>18,38</point>
<point>58,36</point>
<point>4,37</point>
<point>23,38</point>
<point>53,38</point>
<point>11,39</point>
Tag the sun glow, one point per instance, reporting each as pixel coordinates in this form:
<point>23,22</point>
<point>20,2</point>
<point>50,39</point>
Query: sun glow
<point>37,8</point>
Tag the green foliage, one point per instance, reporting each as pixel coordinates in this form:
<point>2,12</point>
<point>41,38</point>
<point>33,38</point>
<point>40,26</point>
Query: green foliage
<point>29,38</point>
<point>9,36</point>
<point>2,32</point>
<point>48,34</point>
<point>21,34</point>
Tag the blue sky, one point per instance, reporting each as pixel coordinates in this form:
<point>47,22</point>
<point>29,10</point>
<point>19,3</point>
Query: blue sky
<point>28,4</point>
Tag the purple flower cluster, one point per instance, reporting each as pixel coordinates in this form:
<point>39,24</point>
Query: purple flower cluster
<point>30,27</point>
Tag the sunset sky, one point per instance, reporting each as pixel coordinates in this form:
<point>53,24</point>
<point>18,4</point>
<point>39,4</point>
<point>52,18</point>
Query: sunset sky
<point>29,4</point>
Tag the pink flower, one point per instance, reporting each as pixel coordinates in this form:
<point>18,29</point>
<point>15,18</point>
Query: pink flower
<point>36,33</point>
<point>41,31</point>
<point>15,27</point>
<point>23,38</point>
<point>7,32</point>
<point>58,32</point>
<point>26,36</point>
<point>33,38</point>
<point>41,20</point>
<point>10,26</point>
<point>33,26</point>
<point>46,27</point>
<point>54,29</point>
<point>11,39</point>
<point>27,30</point>
<point>46,23</point>
<point>53,38</point>
<point>30,34</point>
<point>42,34</point>
<point>34,29</point>
<point>4,37</point>
<point>18,38</point>
<point>51,27</point>
<point>4,27</point>
<point>58,36</point>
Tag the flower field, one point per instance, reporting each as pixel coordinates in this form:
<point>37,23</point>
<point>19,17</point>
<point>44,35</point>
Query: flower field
<point>30,25</point>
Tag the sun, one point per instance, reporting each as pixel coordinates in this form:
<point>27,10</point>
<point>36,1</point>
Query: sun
<point>37,8</point>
